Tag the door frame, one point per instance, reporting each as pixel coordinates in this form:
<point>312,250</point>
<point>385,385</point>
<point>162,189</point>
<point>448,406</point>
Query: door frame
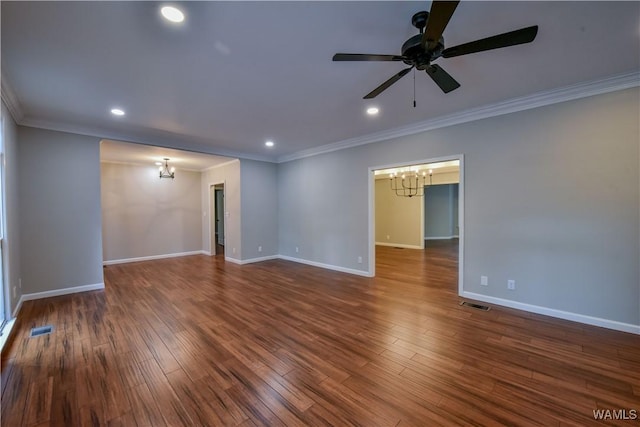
<point>372,209</point>
<point>5,283</point>
<point>211,208</point>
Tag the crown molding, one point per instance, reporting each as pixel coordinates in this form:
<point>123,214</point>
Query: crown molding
<point>568,93</point>
<point>168,140</point>
<point>10,99</point>
<point>564,94</point>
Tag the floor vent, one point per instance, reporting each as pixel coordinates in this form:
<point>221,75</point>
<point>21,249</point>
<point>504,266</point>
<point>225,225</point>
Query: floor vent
<point>477,306</point>
<point>42,330</point>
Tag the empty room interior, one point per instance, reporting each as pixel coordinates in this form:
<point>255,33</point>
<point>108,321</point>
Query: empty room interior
<point>366,213</point>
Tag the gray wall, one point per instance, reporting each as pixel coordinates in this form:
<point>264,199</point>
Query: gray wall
<point>565,225</point>
<point>60,224</point>
<point>229,174</point>
<point>322,208</point>
<point>440,211</point>
<point>12,212</point>
<point>259,208</point>
<point>143,215</point>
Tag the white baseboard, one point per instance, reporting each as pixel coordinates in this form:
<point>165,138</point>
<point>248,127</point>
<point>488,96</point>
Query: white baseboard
<point>441,237</point>
<point>301,261</point>
<point>18,307</point>
<point>58,292</point>
<point>206,253</point>
<point>152,257</point>
<point>399,245</point>
<point>259,259</point>
<point>581,318</point>
<point>327,266</point>
<point>251,260</point>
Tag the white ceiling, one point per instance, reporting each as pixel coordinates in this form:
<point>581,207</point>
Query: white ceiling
<point>239,73</point>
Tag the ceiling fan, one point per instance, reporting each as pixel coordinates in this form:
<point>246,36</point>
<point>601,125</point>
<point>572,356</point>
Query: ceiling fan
<point>422,49</point>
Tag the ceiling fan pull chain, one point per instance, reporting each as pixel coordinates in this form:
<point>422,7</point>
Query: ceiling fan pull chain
<point>414,88</point>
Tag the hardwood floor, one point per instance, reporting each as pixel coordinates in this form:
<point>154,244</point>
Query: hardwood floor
<point>197,341</point>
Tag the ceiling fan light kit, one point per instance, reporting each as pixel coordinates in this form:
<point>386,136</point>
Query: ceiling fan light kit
<point>422,49</point>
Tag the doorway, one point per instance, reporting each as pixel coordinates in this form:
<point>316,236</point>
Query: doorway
<point>217,215</point>
<point>401,225</point>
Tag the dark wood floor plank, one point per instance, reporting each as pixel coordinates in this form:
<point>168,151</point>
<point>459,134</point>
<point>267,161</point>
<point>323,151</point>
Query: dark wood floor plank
<point>14,396</point>
<point>226,408</point>
<point>254,408</point>
<point>63,407</point>
<point>169,404</point>
<point>39,401</point>
<point>160,352</point>
<point>328,405</point>
<point>282,408</point>
<point>126,420</point>
<point>144,407</point>
<point>288,390</point>
<point>200,410</point>
<point>377,411</point>
<point>198,341</point>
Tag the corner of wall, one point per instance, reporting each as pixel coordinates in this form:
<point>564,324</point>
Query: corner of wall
<point>11,214</point>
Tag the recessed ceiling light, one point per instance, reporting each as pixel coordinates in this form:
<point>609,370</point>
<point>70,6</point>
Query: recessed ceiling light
<point>269,144</point>
<point>172,14</point>
<point>117,112</point>
<point>372,111</point>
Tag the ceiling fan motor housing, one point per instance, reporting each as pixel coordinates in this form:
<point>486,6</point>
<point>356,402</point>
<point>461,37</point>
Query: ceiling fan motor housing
<point>416,55</point>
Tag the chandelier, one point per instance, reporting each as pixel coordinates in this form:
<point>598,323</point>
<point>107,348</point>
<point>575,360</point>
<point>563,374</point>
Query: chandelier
<point>165,172</point>
<point>410,184</point>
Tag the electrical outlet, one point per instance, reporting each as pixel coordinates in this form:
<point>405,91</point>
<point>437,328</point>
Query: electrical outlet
<point>297,249</point>
<point>359,260</point>
<point>259,248</point>
<point>484,280</point>
<point>20,283</point>
<point>14,292</point>
<point>233,250</point>
<point>511,285</point>
<point>388,237</point>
